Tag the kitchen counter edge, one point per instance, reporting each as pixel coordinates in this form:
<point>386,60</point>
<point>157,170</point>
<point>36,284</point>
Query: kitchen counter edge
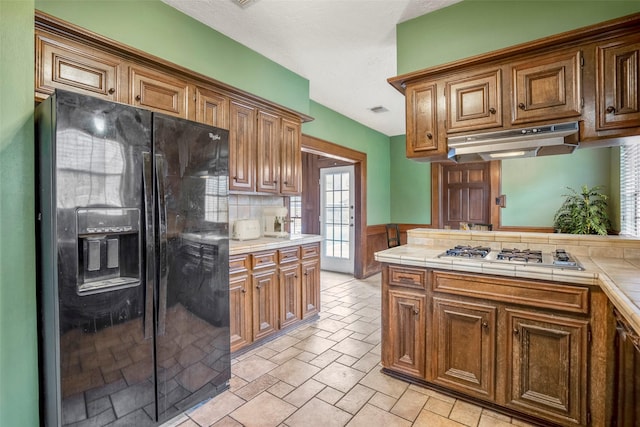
<point>237,247</point>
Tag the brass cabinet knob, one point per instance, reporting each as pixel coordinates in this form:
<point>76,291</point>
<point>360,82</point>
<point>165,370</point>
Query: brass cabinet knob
<point>111,91</point>
<point>611,109</point>
<point>138,98</point>
<point>492,110</point>
<point>521,106</point>
<point>429,135</point>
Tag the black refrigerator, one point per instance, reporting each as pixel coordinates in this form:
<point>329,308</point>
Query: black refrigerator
<point>133,262</point>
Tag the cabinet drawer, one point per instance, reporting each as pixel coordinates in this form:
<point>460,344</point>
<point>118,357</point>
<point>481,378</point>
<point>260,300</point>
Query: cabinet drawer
<point>263,259</point>
<point>310,251</point>
<point>550,295</point>
<point>288,255</point>
<point>238,263</point>
<point>408,277</point>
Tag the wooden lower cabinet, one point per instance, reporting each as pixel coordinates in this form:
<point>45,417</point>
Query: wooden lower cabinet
<point>627,375</point>
<point>406,331</point>
<point>464,347</point>
<point>272,290</point>
<point>523,346</point>
<point>547,360</point>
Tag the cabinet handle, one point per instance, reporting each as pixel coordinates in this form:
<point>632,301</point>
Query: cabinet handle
<point>286,183</point>
<point>521,106</point>
<point>611,109</point>
<point>258,286</point>
<point>416,311</point>
<point>492,110</point>
<point>295,276</point>
<point>112,91</point>
<point>306,274</point>
<point>235,178</point>
<point>516,332</point>
<point>429,135</point>
<point>138,98</point>
<point>244,291</point>
<point>485,324</point>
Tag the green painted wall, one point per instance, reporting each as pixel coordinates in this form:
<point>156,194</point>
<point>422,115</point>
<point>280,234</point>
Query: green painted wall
<point>536,186</point>
<point>160,30</point>
<point>411,194</point>
<point>336,128</point>
<point>421,44</point>
<point>18,337</point>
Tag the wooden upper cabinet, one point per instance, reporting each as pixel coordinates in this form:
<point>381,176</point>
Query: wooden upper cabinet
<point>422,130</point>
<point>291,158</point>
<point>212,108</point>
<point>474,101</point>
<point>66,65</point>
<point>242,137</point>
<point>268,158</point>
<point>547,87</point>
<point>617,79</point>
<point>158,91</point>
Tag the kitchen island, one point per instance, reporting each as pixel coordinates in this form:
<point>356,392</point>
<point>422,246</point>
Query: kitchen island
<point>535,342</point>
<point>274,285</point>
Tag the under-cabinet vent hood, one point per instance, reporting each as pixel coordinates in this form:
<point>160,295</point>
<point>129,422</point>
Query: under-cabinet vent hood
<point>515,143</point>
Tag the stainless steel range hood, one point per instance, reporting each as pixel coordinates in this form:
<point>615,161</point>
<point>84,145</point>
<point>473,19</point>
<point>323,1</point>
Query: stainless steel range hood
<point>515,143</point>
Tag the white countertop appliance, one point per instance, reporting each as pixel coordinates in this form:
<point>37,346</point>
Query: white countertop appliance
<point>245,229</point>
<point>273,221</point>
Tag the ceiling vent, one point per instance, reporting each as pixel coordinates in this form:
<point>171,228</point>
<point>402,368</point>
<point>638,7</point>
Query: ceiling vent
<point>244,3</point>
<point>378,109</point>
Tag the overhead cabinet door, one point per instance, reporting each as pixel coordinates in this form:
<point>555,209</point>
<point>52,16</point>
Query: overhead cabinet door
<point>474,102</point>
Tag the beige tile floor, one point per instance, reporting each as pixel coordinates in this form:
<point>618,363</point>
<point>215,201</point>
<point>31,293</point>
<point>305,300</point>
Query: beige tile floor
<point>327,373</point>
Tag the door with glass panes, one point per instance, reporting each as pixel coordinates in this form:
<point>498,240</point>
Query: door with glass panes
<point>337,218</point>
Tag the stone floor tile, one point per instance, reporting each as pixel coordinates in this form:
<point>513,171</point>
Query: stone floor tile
<point>322,334</point>
<point>266,352</point>
<point>438,406</point>
<point>256,387</point>
<point>370,416</point>
<point>383,401</point>
<point>325,358</point>
<point>431,419</point>
<point>281,389</point>
<point>493,414</point>
<point>253,367</point>
<point>304,393</point>
<point>285,355</point>
<point>294,372</point>
<point>487,421</point>
<point>330,325</point>
<point>265,410</point>
<point>409,405</point>
<point>355,398</point>
<point>236,383</point>
<point>340,335</point>
<point>521,423</point>
<point>330,395</point>
<point>347,360</point>
<point>216,408</point>
<point>384,383</point>
<point>465,413</point>
<point>363,327</point>
<point>282,343</point>
<point>317,413</point>
<point>367,362</point>
<point>315,344</point>
<point>226,422</point>
<point>353,347</point>
<point>306,356</point>
<point>339,376</point>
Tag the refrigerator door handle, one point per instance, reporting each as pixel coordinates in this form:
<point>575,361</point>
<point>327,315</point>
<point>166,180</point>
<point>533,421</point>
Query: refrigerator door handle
<point>149,250</point>
<point>162,244</point>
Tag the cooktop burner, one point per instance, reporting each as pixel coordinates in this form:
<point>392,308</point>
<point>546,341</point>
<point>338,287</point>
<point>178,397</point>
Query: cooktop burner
<point>556,259</point>
<point>468,251</point>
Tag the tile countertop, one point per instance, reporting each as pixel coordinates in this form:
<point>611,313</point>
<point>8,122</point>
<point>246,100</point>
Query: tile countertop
<point>611,262</point>
<point>237,247</point>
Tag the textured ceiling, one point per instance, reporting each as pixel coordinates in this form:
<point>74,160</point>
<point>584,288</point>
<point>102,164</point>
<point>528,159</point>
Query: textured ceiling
<point>345,48</point>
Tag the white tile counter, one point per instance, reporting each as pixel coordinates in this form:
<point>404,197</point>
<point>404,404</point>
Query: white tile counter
<point>611,262</point>
<point>246,246</point>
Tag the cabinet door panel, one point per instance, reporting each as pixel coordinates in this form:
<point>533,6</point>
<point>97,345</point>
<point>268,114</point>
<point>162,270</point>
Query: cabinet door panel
<point>422,130</point>
<point>310,287</point>
<point>158,92</point>
<point>547,87</point>
<point>212,108</point>
<point>548,360</point>
<point>618,72</point>
<point>464,341</point>
<point>268,158</point>
<point>474,102</point>
<point>265,303</point>
<point>290,295</point>
<point>67,66</point>
<point>240,310</point>
<point>406,333</point>
<point>242,125</point>
<point>291,158</point>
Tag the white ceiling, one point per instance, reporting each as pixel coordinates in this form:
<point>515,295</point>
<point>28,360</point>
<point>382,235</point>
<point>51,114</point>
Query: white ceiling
<point>345,48</point>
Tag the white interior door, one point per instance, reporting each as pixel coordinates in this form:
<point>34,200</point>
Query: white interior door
<point>337,219</point>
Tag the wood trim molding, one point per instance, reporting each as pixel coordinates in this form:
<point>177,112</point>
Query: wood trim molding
<point>359,159</point>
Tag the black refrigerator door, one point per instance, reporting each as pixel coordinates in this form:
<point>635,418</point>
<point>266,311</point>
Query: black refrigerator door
<point>192,303</point>
<point>98,364</point>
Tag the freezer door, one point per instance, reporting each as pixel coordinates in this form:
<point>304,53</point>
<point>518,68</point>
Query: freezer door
<point>192,345</point>
<point>91,203</point>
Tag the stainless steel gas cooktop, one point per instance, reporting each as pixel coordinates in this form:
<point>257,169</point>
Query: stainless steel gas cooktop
<point>555,259</point>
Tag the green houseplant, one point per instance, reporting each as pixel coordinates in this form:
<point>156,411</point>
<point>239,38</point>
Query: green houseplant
<point>583,212</point>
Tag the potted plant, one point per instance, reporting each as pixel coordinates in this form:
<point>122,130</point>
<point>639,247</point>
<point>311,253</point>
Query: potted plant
<point>583,212</point>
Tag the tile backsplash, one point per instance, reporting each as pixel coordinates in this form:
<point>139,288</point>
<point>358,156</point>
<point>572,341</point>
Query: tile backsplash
<point>248,206</point>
